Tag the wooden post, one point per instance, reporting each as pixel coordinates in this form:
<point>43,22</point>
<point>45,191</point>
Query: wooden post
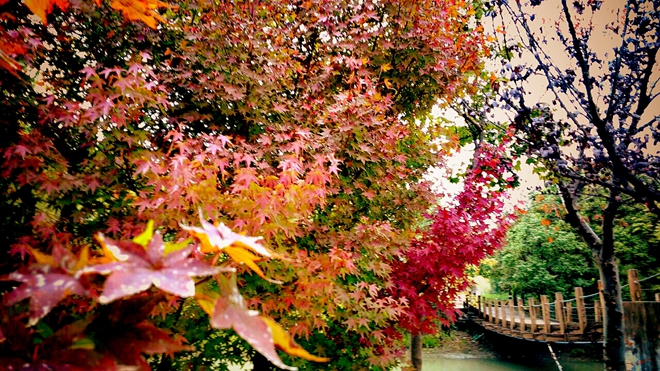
<point>512,321</point>
<point>569,312</point>
<point>581,312</point>
<point>545,310</point>
<point>492,314</point>
<point>479,311</point>
<point>487,310</point>
<point>597,311</point>
<point>521,315</point>
<point>633,283</point>
<point>491,310</point>
<point>501,319</point>
<point>657,297</point>
<point>559,311</point>
<point>532,315</point>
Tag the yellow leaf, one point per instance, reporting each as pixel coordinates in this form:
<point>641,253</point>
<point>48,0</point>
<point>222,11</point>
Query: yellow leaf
<point>386,67</point>
<point>83,343</point>
<point>283,341</point>
<point>171,247</point>
<point>145,237</point>
<point>242,256</point>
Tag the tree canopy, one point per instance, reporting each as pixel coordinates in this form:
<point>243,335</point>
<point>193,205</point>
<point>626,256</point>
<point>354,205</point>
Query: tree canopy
<point>188,179</point>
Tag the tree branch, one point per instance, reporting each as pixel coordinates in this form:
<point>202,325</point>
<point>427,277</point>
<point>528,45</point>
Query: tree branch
<point>574,218</point>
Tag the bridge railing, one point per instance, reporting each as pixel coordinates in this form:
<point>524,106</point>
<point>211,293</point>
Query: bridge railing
<point>578,316</point>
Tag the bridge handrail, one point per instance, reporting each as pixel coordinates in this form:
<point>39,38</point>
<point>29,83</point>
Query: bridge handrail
<point>560,317</point>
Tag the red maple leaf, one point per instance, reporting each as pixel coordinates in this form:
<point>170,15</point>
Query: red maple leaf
<point>44,288</point>
<point>144,262</point>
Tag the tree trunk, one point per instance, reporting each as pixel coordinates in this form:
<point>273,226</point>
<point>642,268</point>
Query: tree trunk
<point>603,253</point>
<point>416,351</point>
<point>614,350</point>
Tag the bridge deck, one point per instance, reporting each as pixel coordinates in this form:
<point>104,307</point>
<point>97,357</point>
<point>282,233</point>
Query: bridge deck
<point>571,333</point>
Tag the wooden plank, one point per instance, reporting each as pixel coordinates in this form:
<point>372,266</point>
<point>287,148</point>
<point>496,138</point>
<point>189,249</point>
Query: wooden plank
<point>532,315</point>
<point>597,311</point>
<point>493,310</point>
<point>581,311</point>
<point>502,313</point>
<point>642,334</point>
<point>559,312</point>
<point>521,315</point>
<point>633,284</point>
<point>512,317</point>
<point>545,310</point>
<point>569,313</point>
<point>657,297</point>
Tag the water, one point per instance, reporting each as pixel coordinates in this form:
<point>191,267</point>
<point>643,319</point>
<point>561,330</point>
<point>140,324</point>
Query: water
<point>460,363</point>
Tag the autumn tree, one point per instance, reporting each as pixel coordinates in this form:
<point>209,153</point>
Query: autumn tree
<point>595,123</point>
<point>461,233</point>
<point>290,121</point>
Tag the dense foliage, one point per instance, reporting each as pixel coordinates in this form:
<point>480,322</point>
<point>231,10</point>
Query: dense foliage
<point>299,122</point>
<point>542,255</point>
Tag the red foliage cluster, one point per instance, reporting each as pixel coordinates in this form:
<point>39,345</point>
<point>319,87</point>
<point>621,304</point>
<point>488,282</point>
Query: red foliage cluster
<point>433,271</point>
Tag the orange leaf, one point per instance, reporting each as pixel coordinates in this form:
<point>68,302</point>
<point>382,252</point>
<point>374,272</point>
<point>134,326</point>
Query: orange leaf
<point>142,10</point>
<point>545,222</point>
<point>242,256</point>
<point>283,341</point>
<point>550,239</point>
<point>206,302</point>
<point>42,258</point>
<point>42,7</point>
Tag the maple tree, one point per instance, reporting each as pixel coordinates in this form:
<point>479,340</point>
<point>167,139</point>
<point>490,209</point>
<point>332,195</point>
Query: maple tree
<point>295,122</point>
<point>598,126</point>
<point>433,271</point>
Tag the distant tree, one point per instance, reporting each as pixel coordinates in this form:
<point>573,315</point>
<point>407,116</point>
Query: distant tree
<point>597,125</point>
<point>542,254</point>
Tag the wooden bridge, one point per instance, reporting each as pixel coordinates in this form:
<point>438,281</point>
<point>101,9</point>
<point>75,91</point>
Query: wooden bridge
<point>574,320</point>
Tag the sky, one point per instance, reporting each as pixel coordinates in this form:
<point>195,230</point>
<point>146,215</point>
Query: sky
<point>543,26</point>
